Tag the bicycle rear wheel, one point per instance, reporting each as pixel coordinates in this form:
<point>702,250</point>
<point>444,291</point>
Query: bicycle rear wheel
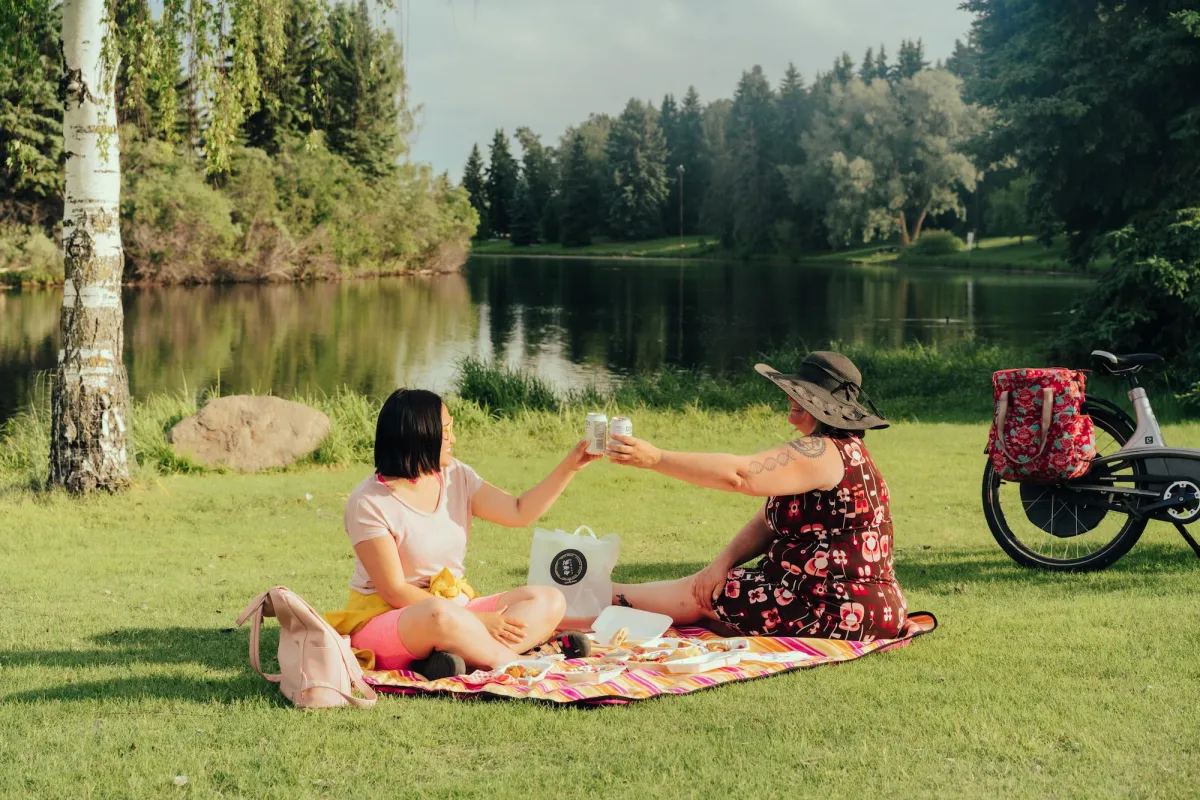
<point>1054,528</point>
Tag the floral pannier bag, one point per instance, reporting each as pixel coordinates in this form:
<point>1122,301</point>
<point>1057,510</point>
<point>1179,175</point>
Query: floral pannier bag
<point>1040,434</point>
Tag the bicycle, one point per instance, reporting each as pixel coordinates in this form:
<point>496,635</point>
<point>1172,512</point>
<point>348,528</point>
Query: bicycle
<point>1092,521</point>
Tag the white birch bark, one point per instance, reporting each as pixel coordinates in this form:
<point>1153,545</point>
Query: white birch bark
<point>90,401</point>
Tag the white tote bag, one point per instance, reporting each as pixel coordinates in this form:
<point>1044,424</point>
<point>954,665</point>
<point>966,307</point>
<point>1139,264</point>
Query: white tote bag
<point>579,564</point>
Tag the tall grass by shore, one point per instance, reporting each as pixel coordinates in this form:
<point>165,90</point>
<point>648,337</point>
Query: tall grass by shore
<point>951,384</point>
<point>910,384</point>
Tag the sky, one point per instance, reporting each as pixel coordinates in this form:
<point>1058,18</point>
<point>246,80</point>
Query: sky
<point>478,65</point>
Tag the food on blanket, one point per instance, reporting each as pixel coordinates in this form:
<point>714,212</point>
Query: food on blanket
<point>687,651</point>
<point>586,668</point>
<point>619,637</point>
<point>717,647</point>
<point>651,657</point>
<point>518,671</point>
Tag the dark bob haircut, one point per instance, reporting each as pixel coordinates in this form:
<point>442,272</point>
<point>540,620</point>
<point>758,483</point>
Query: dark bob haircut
<point>408,434</point>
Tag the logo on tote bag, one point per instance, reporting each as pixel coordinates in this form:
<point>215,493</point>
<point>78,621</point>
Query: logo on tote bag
<point>568,567</point>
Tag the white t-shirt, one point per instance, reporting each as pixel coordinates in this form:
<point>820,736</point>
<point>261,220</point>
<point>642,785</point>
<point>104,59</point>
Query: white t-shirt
<point>425,542</point>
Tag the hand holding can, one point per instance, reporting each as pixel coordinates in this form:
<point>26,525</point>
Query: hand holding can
<point>596,432</point>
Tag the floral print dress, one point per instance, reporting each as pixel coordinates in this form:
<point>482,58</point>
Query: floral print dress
<point>828,573</point>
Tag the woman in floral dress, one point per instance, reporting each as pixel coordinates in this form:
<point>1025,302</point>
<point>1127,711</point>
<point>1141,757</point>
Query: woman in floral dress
<point>824,534</point>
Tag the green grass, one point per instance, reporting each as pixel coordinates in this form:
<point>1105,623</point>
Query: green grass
<point>1005,253</point>
<point>1008,253</point>
<point>667,247</point>
<point>118,670</point>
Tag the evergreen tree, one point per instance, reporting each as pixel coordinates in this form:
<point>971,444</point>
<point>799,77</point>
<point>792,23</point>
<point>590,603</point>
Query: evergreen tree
<point>882,70</point>
<point>911,59</point>
<point>501,185</point>
<point>794,113</point>
<point>843,68</point>
<point>794,110</point>
<point>300,96</point>
<point>473,182</point>
<point>964,62</point>
<point>717,212</point>
<point>31,128</point>
<point>537,169</point>
<point>594,132</point>
<point>551,223</point>
<point>693,153</point>
<point>637,153</point>
<point>365,123</point>
<point>578,195</point>
<point>866,70</point>
<point>525,220</point>
<point>756,182</point>
<point>668,120</point>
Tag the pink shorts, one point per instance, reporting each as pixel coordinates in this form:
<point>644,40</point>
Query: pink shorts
<point>381,636</point>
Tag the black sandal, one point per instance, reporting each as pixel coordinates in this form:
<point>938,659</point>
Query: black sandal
<point>571,644</point>
<point>438,665</point>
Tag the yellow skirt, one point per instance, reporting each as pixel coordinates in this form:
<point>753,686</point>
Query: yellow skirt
<point>362,608</point>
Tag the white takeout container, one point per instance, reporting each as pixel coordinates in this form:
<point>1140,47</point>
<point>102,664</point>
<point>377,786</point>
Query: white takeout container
<point>665,644</point>
<point>704,663</point>
<point>542,665</point>
<point>607,673</point>
<point>642,625</point>
<point>735,645</point>
<point>787,657</point>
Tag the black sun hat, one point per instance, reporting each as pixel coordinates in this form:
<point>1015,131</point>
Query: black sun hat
<point>829,387</point>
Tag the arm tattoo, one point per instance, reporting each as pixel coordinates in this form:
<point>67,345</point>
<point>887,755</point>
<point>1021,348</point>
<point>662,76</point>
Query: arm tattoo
<point>809,447</point>
<point>621,601</point>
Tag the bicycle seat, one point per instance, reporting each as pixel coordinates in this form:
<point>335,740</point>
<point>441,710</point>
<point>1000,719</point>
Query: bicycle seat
<point>1118,365</point>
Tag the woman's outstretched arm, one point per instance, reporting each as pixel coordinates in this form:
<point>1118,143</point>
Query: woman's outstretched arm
<point>496,505</point>
<point>801,465</point>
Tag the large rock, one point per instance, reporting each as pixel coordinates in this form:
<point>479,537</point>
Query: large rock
<point>249,433</point>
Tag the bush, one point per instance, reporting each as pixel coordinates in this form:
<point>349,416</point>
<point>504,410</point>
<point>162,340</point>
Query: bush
<point>28,255</point>
<point>304,213</point>
<point>937,243</point>
<point>1148,301</point>
<point>175,226</point>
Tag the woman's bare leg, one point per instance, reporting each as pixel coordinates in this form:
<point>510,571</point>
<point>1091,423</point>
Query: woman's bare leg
<point>439,624</point>
<point>541,608</point>
<point>673,598</point>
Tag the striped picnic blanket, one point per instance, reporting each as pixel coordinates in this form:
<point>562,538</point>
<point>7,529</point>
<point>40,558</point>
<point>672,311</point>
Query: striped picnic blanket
<point>641,684</point>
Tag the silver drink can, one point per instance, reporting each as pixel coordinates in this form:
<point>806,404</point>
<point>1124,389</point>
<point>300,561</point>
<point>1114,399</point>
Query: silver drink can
<point>620,426</point>
<point>596,432</point>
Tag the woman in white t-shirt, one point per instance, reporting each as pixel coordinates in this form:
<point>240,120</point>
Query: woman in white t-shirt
<point>409,524</point>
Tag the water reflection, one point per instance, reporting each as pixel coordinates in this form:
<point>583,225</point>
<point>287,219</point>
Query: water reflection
<point>573,320</point>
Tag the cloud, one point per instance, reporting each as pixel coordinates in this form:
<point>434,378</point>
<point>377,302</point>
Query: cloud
<point>478,65</point>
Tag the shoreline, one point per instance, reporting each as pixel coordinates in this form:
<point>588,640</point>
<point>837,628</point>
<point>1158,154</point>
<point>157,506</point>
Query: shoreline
<point>782,260</point>
<point>18,286</point>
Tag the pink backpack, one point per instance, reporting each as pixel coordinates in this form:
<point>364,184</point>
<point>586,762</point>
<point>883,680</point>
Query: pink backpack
<point>317,669</point>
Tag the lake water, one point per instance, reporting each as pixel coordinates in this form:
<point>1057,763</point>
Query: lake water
<point>572,320</point>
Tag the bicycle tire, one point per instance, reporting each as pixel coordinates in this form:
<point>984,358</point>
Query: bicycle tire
<point>1111,420</point>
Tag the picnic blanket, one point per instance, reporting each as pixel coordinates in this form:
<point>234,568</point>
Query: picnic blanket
<point>641,684</point>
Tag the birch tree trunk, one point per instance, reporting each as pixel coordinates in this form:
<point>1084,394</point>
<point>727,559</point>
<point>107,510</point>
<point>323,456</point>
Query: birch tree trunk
<point>90,400</point>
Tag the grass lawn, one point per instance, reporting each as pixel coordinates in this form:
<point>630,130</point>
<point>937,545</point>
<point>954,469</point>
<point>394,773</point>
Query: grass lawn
<point>1008,253</point>
<point>997,253</point>
<point>118,671</point>
<point>667,247</point>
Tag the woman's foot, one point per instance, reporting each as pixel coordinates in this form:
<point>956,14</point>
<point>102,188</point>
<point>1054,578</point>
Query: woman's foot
<point>438,665</point>
<point>571,644</point>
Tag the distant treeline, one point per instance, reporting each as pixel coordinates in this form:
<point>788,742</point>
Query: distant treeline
<point>864,152</point>
<point>1073,119</point>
